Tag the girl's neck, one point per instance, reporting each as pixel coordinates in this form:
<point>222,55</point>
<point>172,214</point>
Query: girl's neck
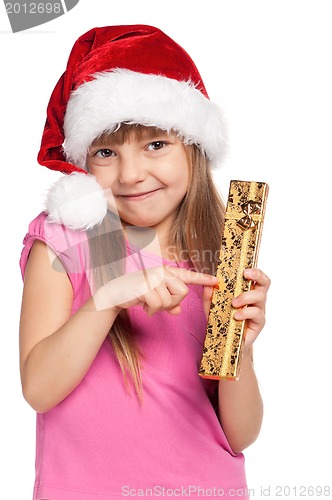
<point>158,241</point>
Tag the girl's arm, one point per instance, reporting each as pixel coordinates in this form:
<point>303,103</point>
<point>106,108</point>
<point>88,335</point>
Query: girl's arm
<point>241,407</point>
<point>57,349</point>
<point>240,402</point>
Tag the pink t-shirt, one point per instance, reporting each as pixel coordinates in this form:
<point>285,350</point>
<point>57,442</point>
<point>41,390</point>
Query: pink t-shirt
<point>99,443</point>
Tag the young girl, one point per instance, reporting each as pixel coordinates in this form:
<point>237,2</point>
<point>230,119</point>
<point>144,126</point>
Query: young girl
<point>118,276</point>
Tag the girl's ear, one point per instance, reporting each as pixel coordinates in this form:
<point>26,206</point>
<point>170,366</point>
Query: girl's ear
<point>77,201</point>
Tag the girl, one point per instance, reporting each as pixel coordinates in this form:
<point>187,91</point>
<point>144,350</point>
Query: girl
<point>118,276</point>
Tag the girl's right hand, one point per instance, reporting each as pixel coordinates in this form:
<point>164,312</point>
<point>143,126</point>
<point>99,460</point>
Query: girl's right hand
<point>159,288</point>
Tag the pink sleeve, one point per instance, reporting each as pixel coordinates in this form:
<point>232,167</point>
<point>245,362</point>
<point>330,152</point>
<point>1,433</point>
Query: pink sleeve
<point>71,247</point>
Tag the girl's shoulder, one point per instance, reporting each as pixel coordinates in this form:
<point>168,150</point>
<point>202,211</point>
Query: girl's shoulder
<point>69,246</point>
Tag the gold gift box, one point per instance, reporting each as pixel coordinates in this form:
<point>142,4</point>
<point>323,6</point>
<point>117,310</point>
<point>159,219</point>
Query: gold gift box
<point>223,346</point>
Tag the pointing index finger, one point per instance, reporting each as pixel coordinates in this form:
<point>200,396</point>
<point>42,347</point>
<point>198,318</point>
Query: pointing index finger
<point>192,277</point>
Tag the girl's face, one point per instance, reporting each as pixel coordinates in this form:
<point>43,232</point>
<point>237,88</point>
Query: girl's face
<point>148,177</point>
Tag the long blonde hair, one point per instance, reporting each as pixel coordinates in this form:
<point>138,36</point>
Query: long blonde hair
<point>195,236</point>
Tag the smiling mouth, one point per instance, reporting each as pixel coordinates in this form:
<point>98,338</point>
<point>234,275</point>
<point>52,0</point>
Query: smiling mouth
<point>140,196</point>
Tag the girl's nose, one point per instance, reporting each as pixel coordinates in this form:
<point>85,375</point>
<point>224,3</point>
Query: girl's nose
<point>131,170</point>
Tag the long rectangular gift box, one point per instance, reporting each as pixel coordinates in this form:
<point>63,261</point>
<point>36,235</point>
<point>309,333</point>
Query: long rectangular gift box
<point>223,346</point>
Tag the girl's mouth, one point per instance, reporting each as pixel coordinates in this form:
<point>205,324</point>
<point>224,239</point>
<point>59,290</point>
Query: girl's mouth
<point>140,196</point>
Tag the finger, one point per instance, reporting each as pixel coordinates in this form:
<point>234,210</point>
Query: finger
<point>261,279</point>
<point>160,299</point>
<point>254,314</point>
<point>152,302</point>
<point>176,287</point>
<point>192,277</point>
<point>167,300</point>
<point>257,297</point>
<point>165,296</point>
<point>150,311</point>
<point>207,296</point>
<point>175,310</point>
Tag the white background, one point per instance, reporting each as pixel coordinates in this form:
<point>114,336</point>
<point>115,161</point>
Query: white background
<point>268,64</point>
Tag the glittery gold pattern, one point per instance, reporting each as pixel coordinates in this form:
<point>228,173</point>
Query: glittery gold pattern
<point>223,346</point>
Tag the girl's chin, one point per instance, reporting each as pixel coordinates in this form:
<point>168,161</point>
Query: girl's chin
<point>139,223</point>
<point>144,220</point>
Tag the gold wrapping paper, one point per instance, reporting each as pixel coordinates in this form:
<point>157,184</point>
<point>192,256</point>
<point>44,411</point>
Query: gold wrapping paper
<point>223,346</point>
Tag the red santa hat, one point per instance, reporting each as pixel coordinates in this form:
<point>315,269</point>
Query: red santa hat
<point>120,74</point>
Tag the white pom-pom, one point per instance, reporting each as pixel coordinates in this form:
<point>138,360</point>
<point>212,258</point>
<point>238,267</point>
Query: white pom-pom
<point>77,201</point>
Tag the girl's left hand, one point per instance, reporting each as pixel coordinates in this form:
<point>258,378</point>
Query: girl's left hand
<point>255,301</point>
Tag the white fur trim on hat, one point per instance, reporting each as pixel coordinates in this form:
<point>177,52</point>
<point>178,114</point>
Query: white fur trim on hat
<point>77,201</point>
<point>123,95</point>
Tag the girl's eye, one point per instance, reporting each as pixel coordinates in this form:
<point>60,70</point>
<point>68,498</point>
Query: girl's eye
<point>154,146</point>
<point>104,153</point>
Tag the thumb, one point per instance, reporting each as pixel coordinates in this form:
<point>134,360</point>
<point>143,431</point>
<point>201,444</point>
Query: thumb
<point>207,296</point>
